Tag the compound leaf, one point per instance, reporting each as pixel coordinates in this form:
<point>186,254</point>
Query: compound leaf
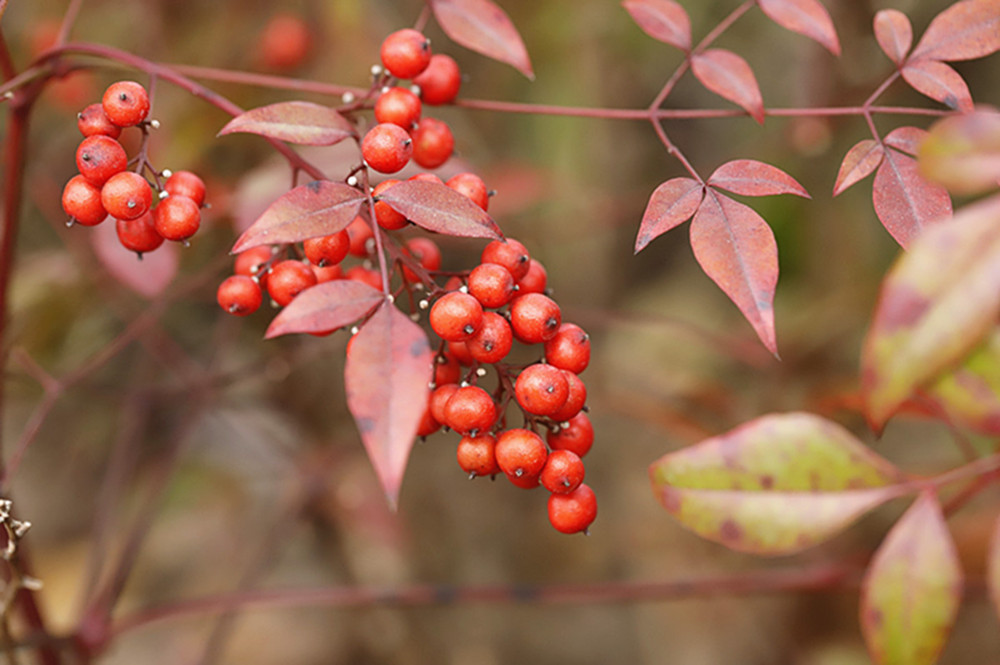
<point>966,30</point>
<point>859,163</point>
<point>939,82</point>
<point>806,17</point>
<point>729,76</point>
<point>752,178</point>
<point>441,209</point>
<point>296,122</point>
<point>671,204</point>
<point>904,200</point>
<point>482,26</point>
<point>663,20</point>
<point>325,307</point>
<point>894,34</point>
<point>963,152</point>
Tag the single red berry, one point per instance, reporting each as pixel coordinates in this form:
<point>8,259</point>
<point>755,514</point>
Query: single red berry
<point>511,254</point>
<point>470,411</point>
<point>439,83</point>
<point>327,250</point>
<point>406,53</point>
<point>93,121</point>
<point>398,106</point>
<point>576,435</point>
<point>472,187</point>
<point>328,273</point>
<point>138,234</point>
<point>456,316</point>
<point>476,455</point>
<point>573,512</point>
<point>186,183</point>
<point>99,157</point>
<point>491,284</point>
<point>239,295</point>
<point>541,389</point>
<point>439,400</point>
<point>254,263</point>
<point>534,280</point>
<point>427,177</point>
<point>521,453</point>
<point>433,143</point>
<point>426,252</point>
<point>569,348</point>
<point>126,103</point>
<point>385,215</point>
<point>177,218</point>
<point>575,399</point>
<point>446,370</point>
<point>492,341</point>
<point>126,195</point>
<point>372,278</point>
<point>563,472</point>
<point>387,147</point>
<point>288,279</point>
<point>460,352</point>
<point>285,42</point>
<point>360,232</point>
<point>428,425</point>
<point>534,318</point>
<point>82,201</point>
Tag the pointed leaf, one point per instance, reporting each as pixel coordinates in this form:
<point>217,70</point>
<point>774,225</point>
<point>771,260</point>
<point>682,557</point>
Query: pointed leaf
<point>736,248</point>
<point>906,139</point>
<point>894,34</point>
<point>441,209</point>
<point>482,26</point>
<point>663,20</point>
<point>993,568</point>
<point>904,201</point>
<point>325,308</point>
<point>970,395</point>
<point>389,364</point>
<point>912,589</point>
<point>963,152</point>
<point>671,204</point>
<point>308,211</point>
<point>806,17</point>
<point>937,303</point>
<point>752,178</point>
<point>296,122</point>
<point>148,276</point>
<point>939,82</point>
<point>775,485</point>
<point>729,76</point>
<point>859,162</point>
<point>966,30</point>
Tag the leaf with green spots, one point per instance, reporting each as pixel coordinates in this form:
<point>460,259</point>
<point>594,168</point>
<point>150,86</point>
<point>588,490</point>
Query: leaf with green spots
<point>912,589</point>
<point>970,395</point>
<point>963,152</point>
<point>776,485</point>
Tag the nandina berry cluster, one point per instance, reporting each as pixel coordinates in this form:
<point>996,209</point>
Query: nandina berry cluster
<point>104,187</point>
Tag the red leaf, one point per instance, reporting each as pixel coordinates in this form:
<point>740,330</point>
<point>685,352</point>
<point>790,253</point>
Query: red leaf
<point>752,178</point>
<point>964,31</point>
<point>441,209</point>
<point>859,162</point>
<point>482,26</point>
<point>729,76</point>
<point>894,34</point>
<point>907,139</point>
<point>296,122</point>
<point>148,276</point>
<point>671,204</point>
<point>806,17</point>
<point>325,307</point>
<point>664,20</point>
<point>736,248</point>
<point>904,201</point>
<point>318,208</point>
<point>389,365</point>
<point>940,82</point>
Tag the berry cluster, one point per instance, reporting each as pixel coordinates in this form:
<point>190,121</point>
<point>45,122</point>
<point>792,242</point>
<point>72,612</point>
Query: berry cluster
<point>105,188</point>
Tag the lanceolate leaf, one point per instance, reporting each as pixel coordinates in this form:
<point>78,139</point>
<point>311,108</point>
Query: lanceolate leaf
<point>806,17</point>
<point>970,395</point>
<point>664,20</point>
<point>148,276</point>
<point>671,204</point>
<point>729,76</point>
<point>894,34</point>
<point>776,485</point>
<point>993,568</point>
<point>296,122</point>
<point>906,139</point>
<point>441,209</point>
<point>966,30</point>
<point>389,365</point>
<point>859,162</point>
<point>912,589</point>
<point>316,209</point>
<point>325,308</point>
<point>939,82</point>
<point>482,26</point>
<point>904,201</point>
<point>736,248</point>
<point>963,152</point>
<point>937,303</point>
<point>752,178</point>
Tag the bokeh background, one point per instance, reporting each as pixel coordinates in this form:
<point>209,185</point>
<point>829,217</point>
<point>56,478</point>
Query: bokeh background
<point>264,480</point>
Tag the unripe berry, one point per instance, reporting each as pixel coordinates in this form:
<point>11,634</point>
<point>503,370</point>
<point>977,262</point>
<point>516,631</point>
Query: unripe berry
<point>288,279</point>
<point>491,284</point>
<point>99,157</point>
<point>492,341</point>
<point>569,348</point>
<point>477,456</point>
<point>563,472</point>
<point>398,106</point>
<point>126,103</point>
<point>534,318</point>
<point>82,201</point>
<point>388,218</point>
<point>511,254</point>
<point>541,389</point>
<point>177,218</point>
<point>577,435</point>
<point>470,410</point>
<point>433,143</point>
<point>440,82</point>
<point>93,121</point>
<point>387,147</point>
<point>456,316</point>
<point>573,512</point>
<point>521,453</point>
<point>186,183</point>
<point>405,53</point>
<point>126,195</point>
<point>239,295</point>
<point>472,187</point>
<point>327,250</point>
<point>138,235</point>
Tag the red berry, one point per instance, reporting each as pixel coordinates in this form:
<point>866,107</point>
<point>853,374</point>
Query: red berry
<point>563,472</point>
<point>476,455</point>
<point>93,121</point>
<point>126,103</point>
<point>126,195</point>
<point>288,279</point>
<point>99,157</point>
<point>577,435</point>
<point>573,512</point>
<point>82,201</point>
<point>569,348</point>
<point>432,143</point>
<point>456,316</point>
<point>406,53</point>
<point>385,215</point>
<point>439,83</point>
<point>285,42</point>
<point>372,278</point>
<point>492,341</point>
<point>472,187</point>
<point>138,234</point>
<point>327,250</point>
<point>460,352</point>
<point>239,295</point>
<point>426,252</point>
<point>253,263</point>
<point>328,273</point>
<point>534,280</point>
<point>491,284</point>
<point>575,399</point>
<point>446,370</point>
<point>521,453</point>
<point>186,183</point>
<point>534,318</point>
<point>428,425</point>
<point>360,232</point>
<point>470,411</point>
<point>511,254</point>
<point>387,147</point>
<point>177,218</point>
<point>398,106</point>
<point>541,389</point>
<point>439,400</point>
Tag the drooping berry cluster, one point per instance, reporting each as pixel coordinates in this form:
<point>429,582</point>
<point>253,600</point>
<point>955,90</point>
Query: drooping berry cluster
<point>104,186</point>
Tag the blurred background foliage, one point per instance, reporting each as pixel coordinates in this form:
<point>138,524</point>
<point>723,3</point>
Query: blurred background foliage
<point>271,487</point>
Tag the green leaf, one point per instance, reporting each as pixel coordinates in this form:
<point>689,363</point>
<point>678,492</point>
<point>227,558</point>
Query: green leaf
<point>970,395</point>
<point>911,592</point>
<point>775,485</point>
